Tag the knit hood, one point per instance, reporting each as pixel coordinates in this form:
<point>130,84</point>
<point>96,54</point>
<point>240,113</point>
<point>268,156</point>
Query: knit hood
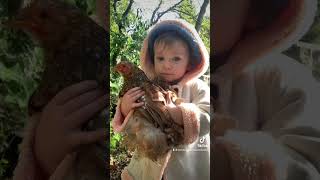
<point>187,32</point>
<point>293,21</point>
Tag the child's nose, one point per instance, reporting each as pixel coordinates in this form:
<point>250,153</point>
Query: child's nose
<point>167,64</point>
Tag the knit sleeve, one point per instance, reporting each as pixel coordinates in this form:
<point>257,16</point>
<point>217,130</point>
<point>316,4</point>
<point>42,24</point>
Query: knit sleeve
<point>196,118</point>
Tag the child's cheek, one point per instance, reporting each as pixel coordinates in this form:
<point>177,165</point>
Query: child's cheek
<point>157,68</point>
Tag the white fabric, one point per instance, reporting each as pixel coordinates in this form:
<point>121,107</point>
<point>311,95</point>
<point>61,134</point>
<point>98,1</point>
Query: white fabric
<point>189,162</point>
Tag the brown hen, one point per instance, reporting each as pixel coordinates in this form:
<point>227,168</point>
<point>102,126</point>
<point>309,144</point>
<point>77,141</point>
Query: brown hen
<point>151,129</point>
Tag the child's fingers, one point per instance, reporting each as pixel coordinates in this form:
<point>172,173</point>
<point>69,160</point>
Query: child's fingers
<point>135,93</point>
<point>137,96</point>
<point>85,113</point>
<point>135,105</point>
<point>82,100</point>
<point>132,90</point>
<point>73,91</point>
<point>88,137</point>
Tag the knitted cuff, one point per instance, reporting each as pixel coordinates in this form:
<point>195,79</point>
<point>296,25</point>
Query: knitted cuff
<point>191,123</point>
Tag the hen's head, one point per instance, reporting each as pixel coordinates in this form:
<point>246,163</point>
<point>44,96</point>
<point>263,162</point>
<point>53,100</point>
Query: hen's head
<point>45,20</point>
<point>125,68</point>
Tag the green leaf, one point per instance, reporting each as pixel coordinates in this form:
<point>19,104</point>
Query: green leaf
<point>10,74</point>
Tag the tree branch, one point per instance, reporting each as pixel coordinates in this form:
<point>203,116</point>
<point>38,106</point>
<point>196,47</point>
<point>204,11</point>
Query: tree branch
<point>138,12</point>
<point>160,14</point>
<point>125,14</point>
<point>115,6</point>
<point>201,14</point>
<point>154,12</point>
<point>178,11</point>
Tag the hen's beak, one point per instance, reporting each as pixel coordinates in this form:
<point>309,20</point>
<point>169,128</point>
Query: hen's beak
<point>116,69</point>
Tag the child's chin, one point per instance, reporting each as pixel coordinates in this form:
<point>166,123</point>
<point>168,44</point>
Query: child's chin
<point>169,80</point>
<point>166,79</point>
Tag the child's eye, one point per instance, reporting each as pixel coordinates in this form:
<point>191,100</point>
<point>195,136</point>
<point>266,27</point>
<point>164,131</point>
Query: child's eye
<point>160,58</point>
<point>176,59</point>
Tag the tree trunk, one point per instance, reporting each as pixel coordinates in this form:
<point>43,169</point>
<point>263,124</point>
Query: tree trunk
<point>201,14</point>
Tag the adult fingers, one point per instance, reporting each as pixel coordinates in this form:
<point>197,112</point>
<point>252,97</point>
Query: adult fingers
<point>73,91</point>
<point>82,100</point>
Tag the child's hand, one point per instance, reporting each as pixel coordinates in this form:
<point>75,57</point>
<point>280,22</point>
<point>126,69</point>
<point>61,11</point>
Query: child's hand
<point>59,130</point>
<point>129,100</point>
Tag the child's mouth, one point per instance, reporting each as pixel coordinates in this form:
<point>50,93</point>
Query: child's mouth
<point>166,74</point>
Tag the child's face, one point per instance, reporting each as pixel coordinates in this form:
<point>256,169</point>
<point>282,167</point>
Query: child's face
<point>171,61</point>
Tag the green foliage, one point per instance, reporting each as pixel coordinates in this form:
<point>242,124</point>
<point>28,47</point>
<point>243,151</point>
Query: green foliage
<point>188,12</point>
<point>125,43</point>
<point>114,140</point>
